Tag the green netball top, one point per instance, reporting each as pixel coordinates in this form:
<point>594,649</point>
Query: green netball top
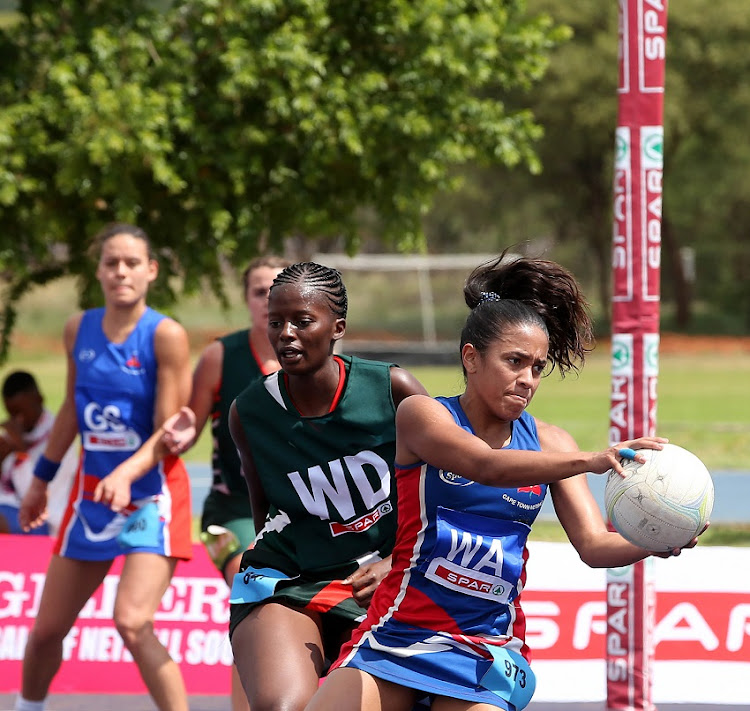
<point>328,479</point>
<point>238,369</point>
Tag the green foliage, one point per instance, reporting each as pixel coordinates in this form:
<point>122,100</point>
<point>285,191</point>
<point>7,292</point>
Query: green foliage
<point>706,180</point>
<point>707,184</point>
<point>223,127</point>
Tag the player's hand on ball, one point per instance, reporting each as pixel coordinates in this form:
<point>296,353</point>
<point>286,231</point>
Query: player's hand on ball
<point>626,452</point>
<point>676,551</point>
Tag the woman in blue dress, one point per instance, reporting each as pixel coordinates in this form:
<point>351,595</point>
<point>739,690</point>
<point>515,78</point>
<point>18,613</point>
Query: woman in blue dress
<point>472,472</point>
<point>128,368</point>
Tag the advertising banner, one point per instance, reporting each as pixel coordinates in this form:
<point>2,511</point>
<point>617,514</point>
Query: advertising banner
<point>701,626</point>
<point>636,261</point>
<point>192,623</point>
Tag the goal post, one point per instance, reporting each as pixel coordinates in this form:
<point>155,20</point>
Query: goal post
<point>420,265</point>
<point>636,261</point>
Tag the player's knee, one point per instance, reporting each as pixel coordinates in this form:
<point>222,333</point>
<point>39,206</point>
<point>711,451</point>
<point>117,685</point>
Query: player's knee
<point>46,635</point>
<point>279,701</point>
<point>132,627</point>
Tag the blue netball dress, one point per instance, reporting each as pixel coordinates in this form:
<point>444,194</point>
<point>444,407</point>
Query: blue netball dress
<point>447,619</point>
<point>115,393</point>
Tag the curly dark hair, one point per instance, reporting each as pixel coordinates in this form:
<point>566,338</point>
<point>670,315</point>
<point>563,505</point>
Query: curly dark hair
<point>511,291</point>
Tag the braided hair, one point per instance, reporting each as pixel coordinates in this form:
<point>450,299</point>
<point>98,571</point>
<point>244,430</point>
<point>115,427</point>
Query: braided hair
<point>509,292</point>
<point>321,278</point>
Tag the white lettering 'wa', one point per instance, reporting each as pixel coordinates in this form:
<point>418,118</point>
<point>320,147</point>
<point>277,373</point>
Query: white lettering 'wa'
<point>468,547</point>
<point>336,489</point>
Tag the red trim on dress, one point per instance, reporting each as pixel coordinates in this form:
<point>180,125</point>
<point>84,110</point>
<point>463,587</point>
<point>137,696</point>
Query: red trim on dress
<point>336,395</point>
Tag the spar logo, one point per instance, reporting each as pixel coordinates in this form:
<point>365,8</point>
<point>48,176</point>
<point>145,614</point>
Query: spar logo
<point>622,354</point>
<point>622,214</point>
<point>621,386</point>
<point>468,582</point>
<point>652,46</point>
<point>653,149</point>
<point>622,149</point>
<point>363,523</point>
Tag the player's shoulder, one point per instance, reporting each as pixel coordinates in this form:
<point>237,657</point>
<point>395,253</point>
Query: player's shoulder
<point>212,354</point>
<point>169,329</point>
<point>404,384</point>
<point>74,320</point>
<point>71,328</point>
<point>554,438</point>
<point>422,405</point>
<point>171,340</point>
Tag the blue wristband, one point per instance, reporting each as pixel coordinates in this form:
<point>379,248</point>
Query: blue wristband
<point>45,469</point>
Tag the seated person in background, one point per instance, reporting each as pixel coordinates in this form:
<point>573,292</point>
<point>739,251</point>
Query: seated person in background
<point>23,438</point>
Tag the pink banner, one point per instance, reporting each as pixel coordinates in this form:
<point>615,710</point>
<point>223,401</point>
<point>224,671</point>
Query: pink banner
<point>636,261</point>
<point>192,623</point>
<point>701,626</point>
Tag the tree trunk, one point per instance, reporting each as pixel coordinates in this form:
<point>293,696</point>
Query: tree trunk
<point>682,285</point>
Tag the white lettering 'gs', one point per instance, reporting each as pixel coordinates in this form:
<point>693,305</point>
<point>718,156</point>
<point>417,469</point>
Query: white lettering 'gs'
<point>105,431</point>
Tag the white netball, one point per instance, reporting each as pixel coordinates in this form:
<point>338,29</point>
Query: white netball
<point>663,503</point>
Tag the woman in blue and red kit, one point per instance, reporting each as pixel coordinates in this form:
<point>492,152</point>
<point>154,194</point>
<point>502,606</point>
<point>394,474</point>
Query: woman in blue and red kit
<point>128,370</point>
<point>472,471</point>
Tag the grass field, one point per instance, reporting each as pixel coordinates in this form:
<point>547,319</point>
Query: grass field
<point>698,409</point>
<point>702,392</point>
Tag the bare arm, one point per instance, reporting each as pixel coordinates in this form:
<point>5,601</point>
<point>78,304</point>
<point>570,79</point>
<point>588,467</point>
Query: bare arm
<point>206,382</point>
<point>427,432</point>
<point>182,430</point>
<point>579,513</point>
<point>65,428</point>
<point>258,499</point>
<point>173,381</point>
<point>581,517</point>
<point>403,384</point>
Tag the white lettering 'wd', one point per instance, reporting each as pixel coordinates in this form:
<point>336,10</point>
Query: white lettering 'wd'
<point>356,466</point>
<point>336,489</point>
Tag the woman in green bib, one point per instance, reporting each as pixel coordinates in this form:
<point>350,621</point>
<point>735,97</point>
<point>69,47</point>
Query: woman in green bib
<point>225,367</point>
<point>316,441</point>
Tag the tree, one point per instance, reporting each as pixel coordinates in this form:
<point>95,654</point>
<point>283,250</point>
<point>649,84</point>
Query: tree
<point>570,200</point>
<point>706,180</point>
<point>224,126</point>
